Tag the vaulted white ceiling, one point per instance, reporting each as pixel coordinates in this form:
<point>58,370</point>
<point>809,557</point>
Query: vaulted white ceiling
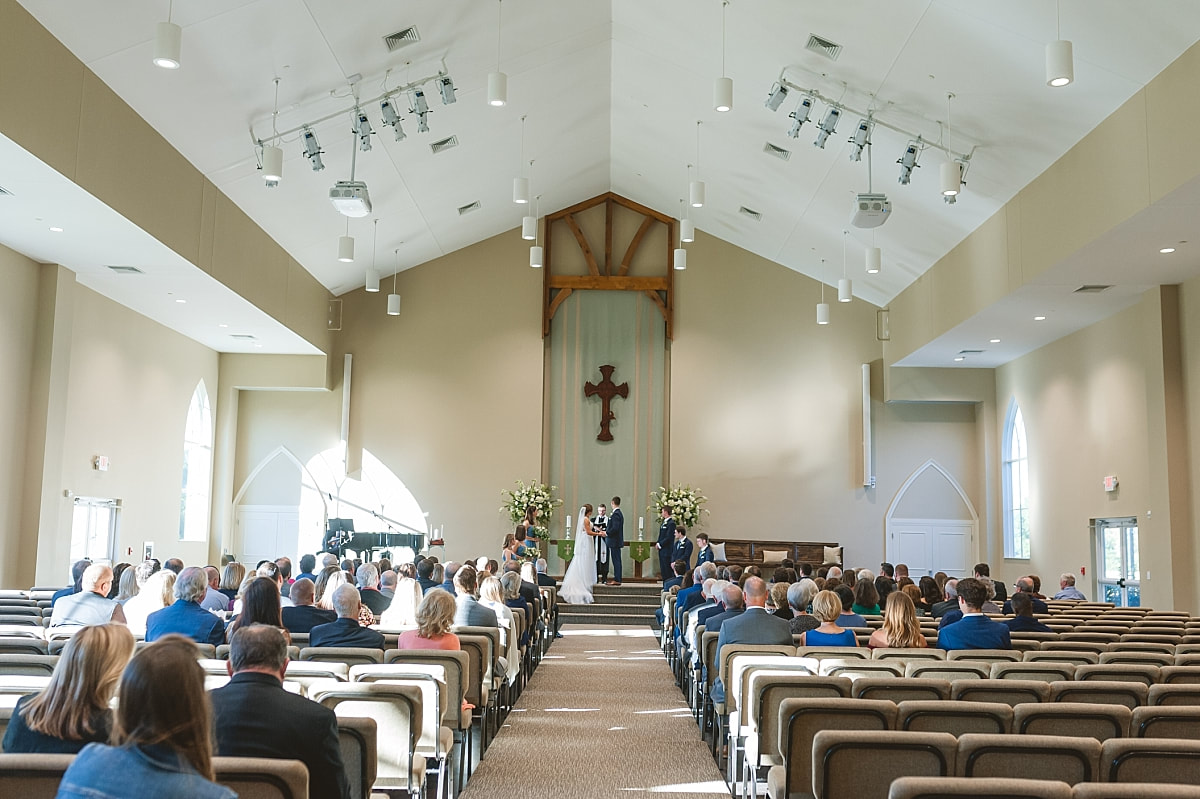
<point>612,92</point>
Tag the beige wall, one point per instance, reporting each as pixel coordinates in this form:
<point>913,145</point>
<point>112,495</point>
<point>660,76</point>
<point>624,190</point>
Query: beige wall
<point>766,408</point>
<point>131,381</point>
<point>1089,410</point>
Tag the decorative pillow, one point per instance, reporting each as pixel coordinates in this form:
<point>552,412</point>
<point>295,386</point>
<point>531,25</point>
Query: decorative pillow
<point>774,555</point>
<point>833,555</point>
<point>718,551</point>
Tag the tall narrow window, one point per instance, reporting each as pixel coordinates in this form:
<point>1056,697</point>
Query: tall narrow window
<point>197,468</point>
<point>1015,476</point>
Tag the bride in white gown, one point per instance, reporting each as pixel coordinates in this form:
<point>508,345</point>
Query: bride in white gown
<point>581,574</point>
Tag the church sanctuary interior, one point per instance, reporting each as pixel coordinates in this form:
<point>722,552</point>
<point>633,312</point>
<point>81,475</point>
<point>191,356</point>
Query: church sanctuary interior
<point>909,282</point>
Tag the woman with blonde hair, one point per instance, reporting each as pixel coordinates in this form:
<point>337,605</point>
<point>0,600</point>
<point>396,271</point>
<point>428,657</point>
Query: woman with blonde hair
<point>777,602</point>
<point>327,582</point>
<point>156,594</point>
<point>491,595</point>
<point>127,588</point>
<point>72,711</point>
<point>162,736</point>
<point>900,626</point>
<point>827,607</point>
<point>402,613</point>
<point>435,617</point>
<point>231,580</point>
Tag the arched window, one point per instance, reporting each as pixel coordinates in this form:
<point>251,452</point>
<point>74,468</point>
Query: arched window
<point>197,468</point>
<point>1015,477</point>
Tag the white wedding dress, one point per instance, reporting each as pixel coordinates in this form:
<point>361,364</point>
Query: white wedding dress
<point>581,574</point>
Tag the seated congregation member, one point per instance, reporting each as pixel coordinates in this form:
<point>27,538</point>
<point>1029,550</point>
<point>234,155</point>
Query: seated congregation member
<point>91,605</point>
<point>77,570</point>
<point>346,630</point>
<point>777,600</point>
<point>308,565</point>
<point>883,587</point>
<point>527,589</point>
<point>73,710</point>
<point>285,575</point>
<point>260,605</point>
<point>401,614</point>
<point>174,565</point>
<point>1023,620</point>
<point>914,593</point>
<point>491,596</point>
<point>254,716</point>
<point>900,626</point>
<point>733,604</point>
<point>128,588</point>
<point>368,587</point>
<point>983,573</point>
<point>511,583</point>
<point>827,608</point>
<point>470,612</point>
<point>435,617</point>
<point>231,581</point>
<point>800,596</point>
<point>269,569</point>
<point>450,569</point>
<point>388,580</point>
<point>679,569</point>
<point>304,615</point>
<point>543,579</point>
<point>1066,584</point>
<point>974,630</point>
<point>866,598</point>
<point>1025,586</point>
<point>327,582</point>
<point>156,593</point>
<point>950,603</point>
<point>118,571</point>
<point>754,626</point>
<point>848,617</point>
<point>162,734</point>
<point>930,595</point>
<point>185,617</point>
<point>425,575</point>
<point>213,598</point>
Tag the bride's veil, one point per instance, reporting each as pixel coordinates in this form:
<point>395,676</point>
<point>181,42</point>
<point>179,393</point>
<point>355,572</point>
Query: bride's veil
<point>579,522</point>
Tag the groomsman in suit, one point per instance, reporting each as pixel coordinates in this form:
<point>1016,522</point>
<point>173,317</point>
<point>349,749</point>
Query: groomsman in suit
<point>664,544</point>
<point>704,554</point>
<point>683,547</point>
<point>615,533</point>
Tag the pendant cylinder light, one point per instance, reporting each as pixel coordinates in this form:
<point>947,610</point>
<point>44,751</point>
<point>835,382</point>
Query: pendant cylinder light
<point>535,252</point>
<point>528,228</point>
<point>874,260</point>
<point>951,172</point>
<point>845,289</point>
<point>680,261</point>
<point>1060,63</point>
<point>822,313</point>
<point>272,159</point>
<point>521,190</point>
<point>373,280</point>
<point>345,249</point>
<point>687,230</point>
<point>723,94</point>
<point>497,89</point>
<point>696,193</point>
<point>167,40</point>
<point>393,307</point>
<point>535,256</point>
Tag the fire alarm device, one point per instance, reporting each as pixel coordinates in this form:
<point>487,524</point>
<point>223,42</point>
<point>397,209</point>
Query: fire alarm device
<point>100,463</point>
<point>1110,483</point>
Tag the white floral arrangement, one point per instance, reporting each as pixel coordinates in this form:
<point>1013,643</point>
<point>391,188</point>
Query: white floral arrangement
<point>685,503</point>
<point>540,496</point>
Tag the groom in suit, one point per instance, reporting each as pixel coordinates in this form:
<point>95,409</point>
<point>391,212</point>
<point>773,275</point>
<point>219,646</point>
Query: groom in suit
<point>615,533</point>
<point>666,540</point>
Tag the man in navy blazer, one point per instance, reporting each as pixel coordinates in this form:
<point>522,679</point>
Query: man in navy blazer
<point>974,630</point>
<point>615,535</point>
<point>753,626</point>
<point>682,550</point>
<point>346,631</point>
<point>185,617</point>
<point>735,605</point>
<point>1023,620</point>
<point>304,615</point>
<point>665,543</point>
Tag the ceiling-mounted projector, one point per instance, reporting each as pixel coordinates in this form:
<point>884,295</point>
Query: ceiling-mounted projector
<point>350,198</point>
<point>870,210</point>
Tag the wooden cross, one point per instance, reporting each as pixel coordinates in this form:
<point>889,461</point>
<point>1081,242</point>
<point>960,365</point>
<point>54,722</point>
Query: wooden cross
<point>607,389</point>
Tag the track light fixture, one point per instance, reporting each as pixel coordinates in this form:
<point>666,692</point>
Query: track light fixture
<point>1060,58</point>
<point>828,126</point>
<point>391,118</point>
<point>799,116</point>
<point>168,37</point>
<point>497,82</point>
<point>420,107</point>
<point>362,129</point>
<point>312,150</point>
<point>446,87</point>
<point>908,161</point>
<point>776,96</point>
<point>861,138</point>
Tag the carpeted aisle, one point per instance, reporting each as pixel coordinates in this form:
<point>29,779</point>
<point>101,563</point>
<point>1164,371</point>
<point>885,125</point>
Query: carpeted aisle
<point>601,717</point>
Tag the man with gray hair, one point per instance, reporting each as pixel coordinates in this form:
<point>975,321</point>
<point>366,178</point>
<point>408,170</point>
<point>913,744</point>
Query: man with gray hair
<point>543,579</point>
<point>213,598</point>
<point>253,716</point>
<point>387,584</point>
<point>950,591</point>
<point>1068,590</point>
<point>328,559</point>
<point>91,605</point>
<point>346,631</point>
<point>185,616</point>
<point>734,603</point>
<point>368,585</point>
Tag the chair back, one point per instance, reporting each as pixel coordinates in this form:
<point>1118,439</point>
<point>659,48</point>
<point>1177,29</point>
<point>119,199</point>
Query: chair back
<point>1145,674</point>
<point>1046,672</point>
<point>1072,656</point>
<point>856,668</point>
<point>993,788</point>
<point>305,672</point>
<point>905,653</point>
<point>947,670</point>
<point>1010,692</point>
<point>28,665</point>
<point>1040,757</point>
<point>954,717</point>
<point>984,655</point>
<point>430,679</point>
<point>836,652</point>
<point>1173,694</point>
<point>358,740</point>
<point>23,645</point>
<point>1129,694</point>
<point>1178,675</point>
<point>851,764</point>
<point>456,668</point>
<point>769,689</point>
<point>1139,658</point>
<point>397,711</point>
<point>351,655</point>
<point>1166,722</point>
<point>799,721</point>
<point>1065,718</point>
<point>262,777</point>
<point>1150,760</point>
<point>730,651</point>
<point>32,776</point>
<point>893,690</point>
<point>742,666</point>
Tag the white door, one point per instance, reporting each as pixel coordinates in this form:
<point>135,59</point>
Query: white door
<point>928,546</point>
<point>266,532</point>
<point>1118,571</point>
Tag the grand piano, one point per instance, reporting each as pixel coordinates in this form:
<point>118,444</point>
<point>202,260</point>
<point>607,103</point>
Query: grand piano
<point>340,536</point>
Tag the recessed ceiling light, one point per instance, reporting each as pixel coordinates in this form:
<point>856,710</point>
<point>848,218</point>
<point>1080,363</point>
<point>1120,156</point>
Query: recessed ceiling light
<point>959,358</point>
<point>1039,319</point>
<point>994,341</point>
<point>257,345</point>
<point>1164,250</point>
<point>181,301</point>
<point>55,229</point>
<point>222,325</point>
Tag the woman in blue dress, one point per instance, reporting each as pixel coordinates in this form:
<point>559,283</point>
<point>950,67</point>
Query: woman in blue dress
<point>827,607</point>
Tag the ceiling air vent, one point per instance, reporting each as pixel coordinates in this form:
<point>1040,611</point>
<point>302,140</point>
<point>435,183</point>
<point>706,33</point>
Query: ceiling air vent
<point>469,207</point>
<point>1091,289</point>
<point>442,145</point>
<point>778,152</point>
<point>402,38</point>
<point>750,212</point>
<point>970,352</point>
<point>126,270</point>
<point>242,336</point>
<point>830,50</point>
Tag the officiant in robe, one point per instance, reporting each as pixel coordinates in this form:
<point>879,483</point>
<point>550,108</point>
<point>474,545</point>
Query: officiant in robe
<point>603,556</point>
